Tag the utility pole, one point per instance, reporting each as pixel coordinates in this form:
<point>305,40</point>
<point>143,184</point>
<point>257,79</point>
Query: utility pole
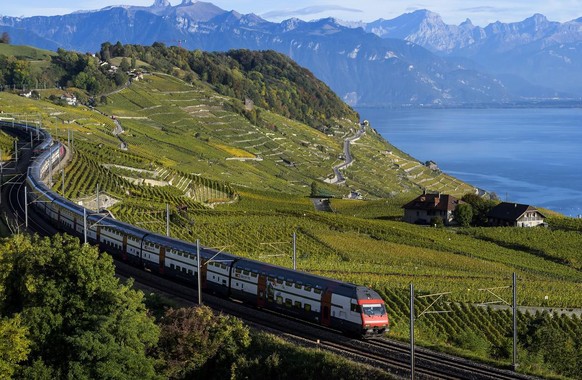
<point>514,321</point>
<point>26,207</point>
<point>411,331</point>
<point>433,298</point>
<point>199,274</point>
<point>294,250</point>
<point>85,225</point>
<point>513,306</point>
<point>1,176</point>
<point>167,219</point>
<point>63,173</point>
<point>98,205</point>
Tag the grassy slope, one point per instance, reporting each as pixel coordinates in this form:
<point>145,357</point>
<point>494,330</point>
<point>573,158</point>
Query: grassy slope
<point>39,59</point>
<point>26,52</point>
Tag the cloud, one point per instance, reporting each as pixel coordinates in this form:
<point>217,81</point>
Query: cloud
<point>308,11</point>
<point>483,9</point>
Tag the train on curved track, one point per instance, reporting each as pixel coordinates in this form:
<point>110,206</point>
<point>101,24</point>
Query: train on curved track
<point>352,309</point>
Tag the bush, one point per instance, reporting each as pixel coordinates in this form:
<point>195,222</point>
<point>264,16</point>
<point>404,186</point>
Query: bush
<point>437,222</point>
<point>472,341</point>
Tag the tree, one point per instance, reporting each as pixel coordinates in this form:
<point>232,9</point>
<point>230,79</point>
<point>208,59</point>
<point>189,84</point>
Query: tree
<point>124,65</point>
<point>193,338</point>
<point>14,345</point>
<point>463,214</point>
<point>82,322</point>
<point>314,189</point>
<point>5,39</point>
<point>481,208</point>
<point>437,222</point>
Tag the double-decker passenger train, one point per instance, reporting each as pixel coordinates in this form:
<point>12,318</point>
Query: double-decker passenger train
<point>352,309</point>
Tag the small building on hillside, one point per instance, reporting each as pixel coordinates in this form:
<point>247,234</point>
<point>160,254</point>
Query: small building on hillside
<point>431,165</point>
<point>515,215</point>
<point>70,99</point>
<point>425,207</point>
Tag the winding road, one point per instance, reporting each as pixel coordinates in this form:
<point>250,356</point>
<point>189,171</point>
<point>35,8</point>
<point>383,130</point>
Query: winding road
<point>348,160</point>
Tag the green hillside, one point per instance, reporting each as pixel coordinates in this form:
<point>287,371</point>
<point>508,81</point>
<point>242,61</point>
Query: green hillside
<point>237,181</point>
<point>196,131</point>
<point>25,52</point>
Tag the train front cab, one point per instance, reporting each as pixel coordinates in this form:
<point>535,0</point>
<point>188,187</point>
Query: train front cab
<point>374,317</point>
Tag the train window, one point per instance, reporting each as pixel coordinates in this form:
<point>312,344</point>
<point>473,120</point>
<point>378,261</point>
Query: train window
<point>246,272</point>
<point>298,286</point>
<point>374,309</point>
<point>279,300</point>
<point>318,291</point>
<point>254,275</point>
<point>183,269</point>
<point>288,283</point>
<point>307,307</point>
<point>223,266</point>
<point>298,304</point>
<point>237,271</point>
<point>279,281</point>
<point>307,288</point>
<point>355,308</point>
<point>190,272</point>
<point>288,302</point>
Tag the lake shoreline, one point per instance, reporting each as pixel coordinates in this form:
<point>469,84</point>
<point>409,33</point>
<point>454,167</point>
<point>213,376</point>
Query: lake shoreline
<point>523,155</point>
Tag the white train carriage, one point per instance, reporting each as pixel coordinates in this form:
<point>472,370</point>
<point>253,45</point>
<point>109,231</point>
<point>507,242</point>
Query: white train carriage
<point>343,306</point>
<point>321,300</point>
<point>177,259</point>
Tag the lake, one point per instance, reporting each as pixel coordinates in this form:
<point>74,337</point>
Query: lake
<point>531,156</point>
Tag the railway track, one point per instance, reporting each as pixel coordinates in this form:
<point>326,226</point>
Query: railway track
<point>389,356</point>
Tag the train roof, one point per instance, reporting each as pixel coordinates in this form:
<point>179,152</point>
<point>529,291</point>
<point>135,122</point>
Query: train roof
<point>181,245</point>
<point>304,278</point>
<point>106,221</point>
<point>286,274</point>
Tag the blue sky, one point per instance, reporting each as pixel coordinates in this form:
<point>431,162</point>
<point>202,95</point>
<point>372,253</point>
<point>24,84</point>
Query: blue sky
<point>452,11</point>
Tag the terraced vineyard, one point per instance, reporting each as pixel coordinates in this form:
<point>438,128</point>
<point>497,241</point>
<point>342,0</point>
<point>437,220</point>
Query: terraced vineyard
<point>196,131</point>
<point>243,187</point>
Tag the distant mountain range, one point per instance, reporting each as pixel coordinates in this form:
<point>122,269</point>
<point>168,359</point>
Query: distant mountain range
<point>414,59</point>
